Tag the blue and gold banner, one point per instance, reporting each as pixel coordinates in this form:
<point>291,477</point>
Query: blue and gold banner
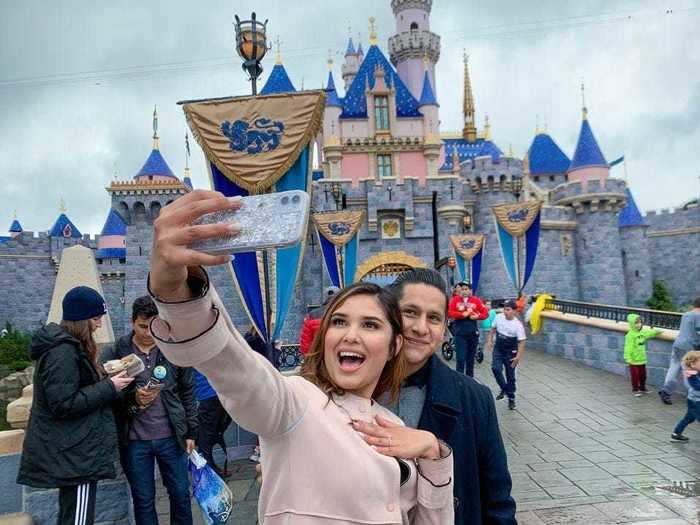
<point>338,236</point>
<point>516,223</point>
<point>260,145</point>
<point>469,248</point>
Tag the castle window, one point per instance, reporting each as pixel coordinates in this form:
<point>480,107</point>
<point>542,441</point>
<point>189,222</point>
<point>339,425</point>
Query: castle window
<point>381,112</point>
<point>551,178</point>
<point>414,26</point>
<point>383,166</point>
<point>537,178</point>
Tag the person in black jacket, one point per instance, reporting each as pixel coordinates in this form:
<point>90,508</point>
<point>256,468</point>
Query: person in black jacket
<point>71,440</point>
<point>451,405</point>
<point>155,424</point>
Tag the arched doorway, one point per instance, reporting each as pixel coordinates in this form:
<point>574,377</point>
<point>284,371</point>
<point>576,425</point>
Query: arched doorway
<point>383,268</point>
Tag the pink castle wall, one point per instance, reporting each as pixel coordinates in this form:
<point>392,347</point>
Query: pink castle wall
<point>585,174</point>
<point>355,166</point>
<point>412,164</point>
<point>111,241</point>
<point>156,178</point>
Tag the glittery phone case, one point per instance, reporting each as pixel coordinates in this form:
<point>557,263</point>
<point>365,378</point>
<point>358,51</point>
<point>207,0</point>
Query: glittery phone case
<point>272,220</point>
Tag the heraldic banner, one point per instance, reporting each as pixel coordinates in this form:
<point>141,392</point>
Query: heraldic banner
<point>468,251</point>
<point>258,145</point>
<point>338,236</point>
<point>513,223</point>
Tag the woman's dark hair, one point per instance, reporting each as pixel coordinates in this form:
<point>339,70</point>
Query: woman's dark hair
<point>143,307</point>
<point>82,332</point>
<point>424,276</point>
<point>314,369</point>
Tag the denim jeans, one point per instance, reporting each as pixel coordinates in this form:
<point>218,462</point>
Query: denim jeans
<point>693,414</point>
<point>501,360</point>
<point>140,458</point>
<point>674,370</point>
<point>466,346</point>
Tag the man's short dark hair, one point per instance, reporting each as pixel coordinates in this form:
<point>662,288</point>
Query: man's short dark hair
<point>467,286</point>
<point>696,302</point>
<point>510,303</point>
<point>143,307</point>
<point>424,276</point>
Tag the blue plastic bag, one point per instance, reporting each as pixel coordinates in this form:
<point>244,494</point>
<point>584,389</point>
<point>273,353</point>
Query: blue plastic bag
<point>212,494</point>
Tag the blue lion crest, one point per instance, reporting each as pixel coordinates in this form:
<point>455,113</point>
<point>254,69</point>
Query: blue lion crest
<point>339,228</point>
<point>518,215</point>
<point>264,135</point>
<point>468,244</point>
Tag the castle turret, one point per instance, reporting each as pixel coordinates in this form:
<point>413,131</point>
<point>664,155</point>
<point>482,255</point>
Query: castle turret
<point>547,163</point>
<point>352,63</point>
<point>588,162</point>
<point>413,40</point>
<point>468,111</point>
<point>155,169</point>
<point>278,81</point>
<point>15,228</point>
<point>635,253</point>
<point>112,241</point>
<point>64,227</point>
<point>332,151</point>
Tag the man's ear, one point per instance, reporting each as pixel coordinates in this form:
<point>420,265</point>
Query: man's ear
<point>398,342</point>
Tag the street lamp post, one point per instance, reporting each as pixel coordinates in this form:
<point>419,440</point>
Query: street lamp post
<point>251,45</point>
<point>516,188</point>
<point>337,191</point>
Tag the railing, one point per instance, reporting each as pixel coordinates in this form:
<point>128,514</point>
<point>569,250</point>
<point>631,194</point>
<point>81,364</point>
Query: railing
<point>655,318</point>
<point>289,357</point>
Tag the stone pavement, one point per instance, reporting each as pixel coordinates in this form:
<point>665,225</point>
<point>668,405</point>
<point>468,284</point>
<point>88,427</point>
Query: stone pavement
<point>581,450</point>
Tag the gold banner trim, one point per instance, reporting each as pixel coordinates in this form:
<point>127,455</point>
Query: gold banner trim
<point>339,227</point>
<point>254,141</point>
<point>467,245</point>
<point>517,218</point>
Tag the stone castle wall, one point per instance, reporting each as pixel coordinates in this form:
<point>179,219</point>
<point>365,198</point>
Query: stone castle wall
<point>636,264</point>
<point>674,249</point>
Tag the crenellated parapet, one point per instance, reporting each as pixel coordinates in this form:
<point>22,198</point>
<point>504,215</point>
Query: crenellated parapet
<point>483,174</point>
<point>595,195</point>
<point>414,44</point>
<point>139,201</point>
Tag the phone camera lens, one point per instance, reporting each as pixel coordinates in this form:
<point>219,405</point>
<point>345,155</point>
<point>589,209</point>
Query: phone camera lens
<point>296,199</point>
<point>285,200</point>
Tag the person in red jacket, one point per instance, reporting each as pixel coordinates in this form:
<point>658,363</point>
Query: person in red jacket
<point>466,310</point>
<point>312,321</point>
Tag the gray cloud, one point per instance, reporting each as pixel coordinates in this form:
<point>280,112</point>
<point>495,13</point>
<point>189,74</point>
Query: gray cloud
<point>63,137</point>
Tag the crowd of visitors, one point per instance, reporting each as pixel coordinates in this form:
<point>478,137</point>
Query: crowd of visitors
<point>416,441</point>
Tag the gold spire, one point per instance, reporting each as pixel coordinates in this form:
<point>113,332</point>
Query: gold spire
<point>330,60</point>
<point>510,151</point>
<point>426,60</point>
<point>469,130</point>
<point>487,127</point>
<point>278,55</point>
<point>114,170</point>
<point>15,214</point>
<point>372,32</point>
<point>584,109</point>
<point>546,124</point>
<point>62,206</point>
<point>156,142</point>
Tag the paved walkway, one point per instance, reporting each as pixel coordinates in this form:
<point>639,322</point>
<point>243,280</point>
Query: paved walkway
<point>581,450</point>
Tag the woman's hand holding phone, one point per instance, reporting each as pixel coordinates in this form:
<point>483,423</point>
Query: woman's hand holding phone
<point>173,234</point>
<point>398,441</point>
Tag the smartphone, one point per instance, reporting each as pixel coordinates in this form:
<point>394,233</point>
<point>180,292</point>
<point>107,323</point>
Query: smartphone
<point>271,220</point>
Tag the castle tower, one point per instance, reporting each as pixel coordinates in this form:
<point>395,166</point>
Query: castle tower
<point>547,162</point>
<point>430,108</point>
<point>635,253</point>
<point>112,241</point>
<point>352,63</point>
<point>413,40</point>
<point>596,199</point>
<point>138,202</point>
<point>468,110</point>
<point>332,150</point>
<point>15,228</point>
<point>278,81</point>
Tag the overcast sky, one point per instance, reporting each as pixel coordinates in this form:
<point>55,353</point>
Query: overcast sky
<point>78,81</point>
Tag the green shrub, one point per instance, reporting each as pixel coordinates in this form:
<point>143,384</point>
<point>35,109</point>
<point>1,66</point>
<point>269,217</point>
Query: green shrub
<point>661,298</point>
<point>14,349</point>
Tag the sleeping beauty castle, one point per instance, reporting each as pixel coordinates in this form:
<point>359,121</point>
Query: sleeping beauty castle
<point>555,221</point>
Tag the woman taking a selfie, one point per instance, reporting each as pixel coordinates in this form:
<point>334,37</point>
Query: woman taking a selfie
<point>71,439</point>
<point>331,453</point>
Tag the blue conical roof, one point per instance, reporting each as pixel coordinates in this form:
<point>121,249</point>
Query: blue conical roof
<point>114,225</point>
<point>331,93</point>
<point>63,227</point>
<point>587,150</point>
<point>630,215</point>
<point>155,165</point>
<point>355,102</point>
<point>15,227</point>
<point>427,97</point>
<point>278,82</point>
<point>360,51</point>
<point>351,48</point>
<point>546,157</point>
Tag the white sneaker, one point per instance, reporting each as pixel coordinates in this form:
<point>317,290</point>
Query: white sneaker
<point>637,394</point>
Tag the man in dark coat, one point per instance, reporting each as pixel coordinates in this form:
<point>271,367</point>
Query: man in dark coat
<point>451,405</point>
<point>155,422</point>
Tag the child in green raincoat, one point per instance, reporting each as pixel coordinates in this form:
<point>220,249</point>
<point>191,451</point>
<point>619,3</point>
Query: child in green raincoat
<point>636,353</point>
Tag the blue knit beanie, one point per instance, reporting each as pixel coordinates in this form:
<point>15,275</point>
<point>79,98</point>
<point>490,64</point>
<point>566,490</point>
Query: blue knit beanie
<point>81,303</point>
